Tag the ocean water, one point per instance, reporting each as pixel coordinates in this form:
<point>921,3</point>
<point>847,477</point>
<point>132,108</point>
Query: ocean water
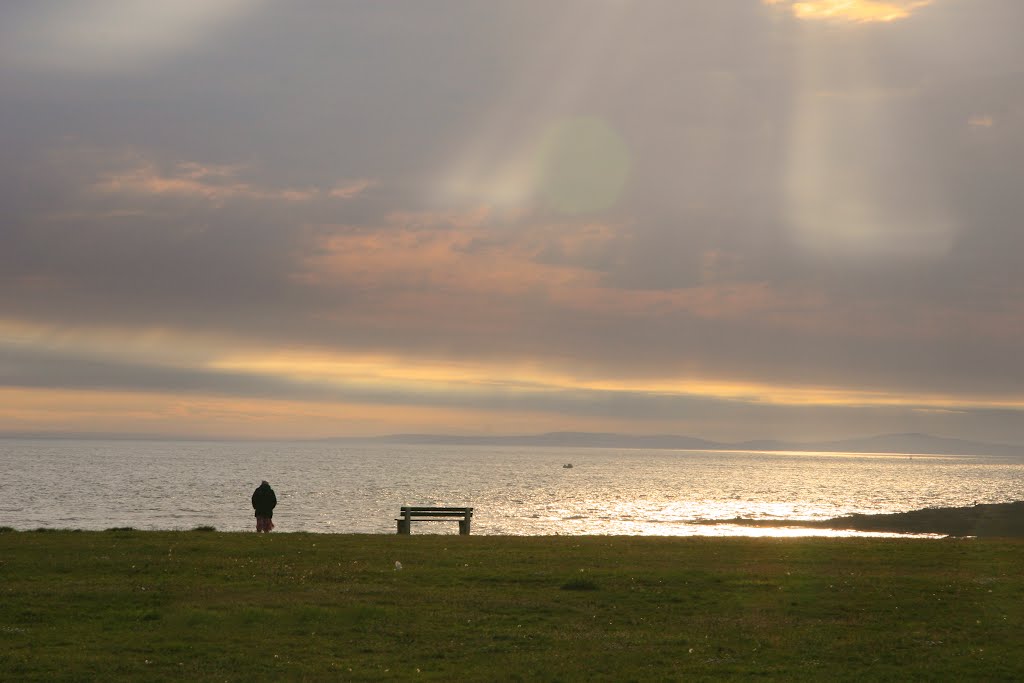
<point>343,488</point>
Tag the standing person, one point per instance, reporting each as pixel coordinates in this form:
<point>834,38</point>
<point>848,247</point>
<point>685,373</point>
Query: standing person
<point>263,502</point>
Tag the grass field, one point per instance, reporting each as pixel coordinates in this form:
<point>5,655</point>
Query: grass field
<point>207,605</point>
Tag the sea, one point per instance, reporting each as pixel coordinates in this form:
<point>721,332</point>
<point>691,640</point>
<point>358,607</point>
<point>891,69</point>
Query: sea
<point>338,487</point>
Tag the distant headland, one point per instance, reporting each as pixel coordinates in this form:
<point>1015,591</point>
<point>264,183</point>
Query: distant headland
<point>995,520</point>
<point>905,444</point>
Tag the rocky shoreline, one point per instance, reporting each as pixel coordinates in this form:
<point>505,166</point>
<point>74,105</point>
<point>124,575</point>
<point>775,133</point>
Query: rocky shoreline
<point>992,520</point>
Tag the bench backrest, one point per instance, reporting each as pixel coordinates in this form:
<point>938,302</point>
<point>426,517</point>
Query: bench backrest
<point>410,511</point>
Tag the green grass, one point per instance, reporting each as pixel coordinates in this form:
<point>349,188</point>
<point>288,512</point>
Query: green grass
<point>141,605</point>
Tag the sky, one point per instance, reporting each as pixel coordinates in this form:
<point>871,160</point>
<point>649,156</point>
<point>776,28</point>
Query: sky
<point>734,219</point>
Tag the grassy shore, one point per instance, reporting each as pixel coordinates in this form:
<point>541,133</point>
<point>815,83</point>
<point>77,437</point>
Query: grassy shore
<point>232,606</point>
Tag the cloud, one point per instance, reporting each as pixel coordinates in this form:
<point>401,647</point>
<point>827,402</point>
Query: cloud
<point>855,11</point>
<point>213,183</point>
<point>352,188</point>
<point>690,209</point>
<point>115,36</point>
<point>277,393</point>
<point>426,261</point>
<point>448,253</point>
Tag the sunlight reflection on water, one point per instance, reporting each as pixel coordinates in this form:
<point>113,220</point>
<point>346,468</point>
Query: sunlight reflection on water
<point>341,488</point>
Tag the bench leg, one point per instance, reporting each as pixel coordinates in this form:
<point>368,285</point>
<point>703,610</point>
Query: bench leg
<point>464,527</point>
<point>403,526</point>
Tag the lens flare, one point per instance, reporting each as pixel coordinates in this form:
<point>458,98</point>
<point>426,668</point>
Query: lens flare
<point>584,166</point>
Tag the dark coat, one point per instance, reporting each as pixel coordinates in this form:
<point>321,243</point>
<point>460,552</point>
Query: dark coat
<point>264,500</point>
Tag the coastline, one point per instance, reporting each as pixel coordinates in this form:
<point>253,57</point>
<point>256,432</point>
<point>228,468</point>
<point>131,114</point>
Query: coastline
<point>987,520</point>
<point>984,520</point>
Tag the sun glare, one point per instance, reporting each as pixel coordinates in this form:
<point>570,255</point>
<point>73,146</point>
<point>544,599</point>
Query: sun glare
<point>852,191</point>
<point>857,11</point>
<point>539,144</point>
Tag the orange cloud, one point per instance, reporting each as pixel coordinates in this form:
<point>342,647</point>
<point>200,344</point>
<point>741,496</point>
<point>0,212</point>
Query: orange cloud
<point>446,253</point>
<point>57,411</point>
<point>110,411</point>
<point>411,272</point>
<point>856,11</point>
<point>352,188</point>
<point>453,269</point>
<point>435,262</point>
<point>464,386</point>
<point>214,183</point>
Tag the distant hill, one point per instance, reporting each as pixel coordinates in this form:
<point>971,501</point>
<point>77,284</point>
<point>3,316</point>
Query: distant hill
<point>889,443</point>
<point>919,443</point>
<point>570,439</point>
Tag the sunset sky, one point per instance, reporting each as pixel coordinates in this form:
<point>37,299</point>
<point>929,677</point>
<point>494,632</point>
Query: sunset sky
<point>730,219</point>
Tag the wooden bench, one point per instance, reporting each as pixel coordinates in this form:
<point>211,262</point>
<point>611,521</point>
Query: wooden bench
<point>412,514</point>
